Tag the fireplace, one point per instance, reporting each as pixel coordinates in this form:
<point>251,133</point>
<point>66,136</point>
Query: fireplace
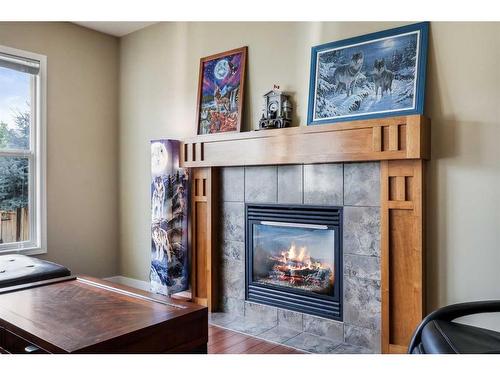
<point>294,258</point>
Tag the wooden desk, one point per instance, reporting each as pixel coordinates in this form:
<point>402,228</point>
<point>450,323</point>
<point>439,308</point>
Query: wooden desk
<point>86,315</point>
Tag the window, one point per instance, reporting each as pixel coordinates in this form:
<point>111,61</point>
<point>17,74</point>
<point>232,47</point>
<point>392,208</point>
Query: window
<point>22,151</point>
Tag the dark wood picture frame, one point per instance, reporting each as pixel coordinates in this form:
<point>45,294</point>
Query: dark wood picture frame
<point>241,89</point>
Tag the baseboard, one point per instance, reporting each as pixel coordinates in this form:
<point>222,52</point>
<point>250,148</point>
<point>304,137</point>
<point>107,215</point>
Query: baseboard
<point>134,283</point>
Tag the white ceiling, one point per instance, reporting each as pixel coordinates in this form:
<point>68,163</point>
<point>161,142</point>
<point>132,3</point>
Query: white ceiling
<point>116,28</point>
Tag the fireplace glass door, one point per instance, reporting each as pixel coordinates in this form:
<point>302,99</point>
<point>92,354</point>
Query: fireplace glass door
<point>294,257</point>
<point>298,256</point>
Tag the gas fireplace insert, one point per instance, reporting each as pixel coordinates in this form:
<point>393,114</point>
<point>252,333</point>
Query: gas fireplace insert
<point>294,257</point>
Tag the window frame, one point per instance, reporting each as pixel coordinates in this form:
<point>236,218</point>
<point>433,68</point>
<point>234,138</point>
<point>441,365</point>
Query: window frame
<point>37,156</point>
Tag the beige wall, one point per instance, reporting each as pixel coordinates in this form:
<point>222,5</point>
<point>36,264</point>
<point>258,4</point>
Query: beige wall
<point>82,145</point>
<point>159,76</point>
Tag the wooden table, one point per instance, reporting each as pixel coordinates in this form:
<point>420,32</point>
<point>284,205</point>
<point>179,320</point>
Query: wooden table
<point>87,315</point>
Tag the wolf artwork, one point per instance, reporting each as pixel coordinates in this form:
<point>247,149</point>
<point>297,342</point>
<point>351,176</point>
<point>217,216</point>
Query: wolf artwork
<point>345,76</point>
<point>369,76</point>
<point>382,77</point>
<point>169,183</point>
<point>221,92</point>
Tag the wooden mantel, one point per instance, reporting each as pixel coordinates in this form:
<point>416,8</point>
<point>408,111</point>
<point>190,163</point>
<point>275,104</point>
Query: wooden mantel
<point>401,144</point>
<point>392,138</point>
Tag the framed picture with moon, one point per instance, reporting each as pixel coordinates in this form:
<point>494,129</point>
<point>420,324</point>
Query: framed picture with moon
<point>221,91</point>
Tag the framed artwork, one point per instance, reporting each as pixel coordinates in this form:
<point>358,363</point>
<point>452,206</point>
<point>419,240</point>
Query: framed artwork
<point>374,75</point>
<point>220,92</point>
<point>169,271</point>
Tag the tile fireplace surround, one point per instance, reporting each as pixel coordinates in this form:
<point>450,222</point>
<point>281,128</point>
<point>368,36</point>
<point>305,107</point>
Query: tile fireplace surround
<point>356,187</point>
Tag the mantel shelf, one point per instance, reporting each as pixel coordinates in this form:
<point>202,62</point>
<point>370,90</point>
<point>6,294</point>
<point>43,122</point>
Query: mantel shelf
<point>391,138</point>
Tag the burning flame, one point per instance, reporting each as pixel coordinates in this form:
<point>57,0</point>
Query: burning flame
<point>299,259</point>
<point>303,255</point>
<point>295,266</point>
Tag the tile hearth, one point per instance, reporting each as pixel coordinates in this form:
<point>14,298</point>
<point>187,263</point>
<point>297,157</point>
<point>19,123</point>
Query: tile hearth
<point>273,332</point>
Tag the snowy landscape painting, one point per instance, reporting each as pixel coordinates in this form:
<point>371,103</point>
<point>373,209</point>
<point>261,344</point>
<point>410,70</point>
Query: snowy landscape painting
<point>376,75</point>
<point>221,90</point>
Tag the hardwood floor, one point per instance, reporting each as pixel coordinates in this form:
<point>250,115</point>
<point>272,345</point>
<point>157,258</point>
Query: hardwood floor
<point>223,341</point>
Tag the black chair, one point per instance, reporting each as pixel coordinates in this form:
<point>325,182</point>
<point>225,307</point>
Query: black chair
<point>438,334</point>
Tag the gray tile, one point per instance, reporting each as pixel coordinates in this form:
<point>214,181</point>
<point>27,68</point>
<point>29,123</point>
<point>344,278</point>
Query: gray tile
<point>290,319</point>
<point>261,184</point>
<point>233,306</point>
<point>250,326</point>
<point>232,278</point>
<point>233,221</point>
<point>361,231</point>
<point>260,312</point>
<point>233,184</point>
<point>323,184</point>
<point>290,184</point>
<point>221,319</point>
<point>363,337</point>
<point>362,306</point>
<point>362,184</point>
<point>324,327</point>
<point>350,349</point>
<point>312,343</point>
<point>233,250</point>
<point>365,267</point>
<point>279,334</point>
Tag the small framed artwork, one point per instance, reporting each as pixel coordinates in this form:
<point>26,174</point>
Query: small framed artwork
<point>374,75</point>
<point>221,91</point>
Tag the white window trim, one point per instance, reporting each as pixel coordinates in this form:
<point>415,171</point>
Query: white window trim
<point>38,195</point>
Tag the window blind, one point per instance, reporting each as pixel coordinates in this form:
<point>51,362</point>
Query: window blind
<point>20,64</point>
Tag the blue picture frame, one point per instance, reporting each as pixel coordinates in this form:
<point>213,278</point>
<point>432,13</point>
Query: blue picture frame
<point>349,78</point>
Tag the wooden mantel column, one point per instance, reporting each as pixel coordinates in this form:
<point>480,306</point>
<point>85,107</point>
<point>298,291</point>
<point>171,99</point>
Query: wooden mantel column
<point>203,235</point>
<point>402,251</point>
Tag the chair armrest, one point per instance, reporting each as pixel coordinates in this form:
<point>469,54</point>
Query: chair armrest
<point>452,312</point>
